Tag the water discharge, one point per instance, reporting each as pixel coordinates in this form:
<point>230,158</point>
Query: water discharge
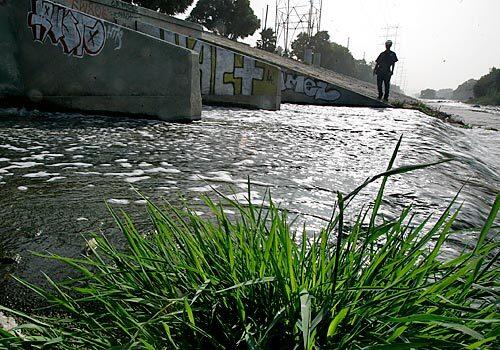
<point>58,171</point>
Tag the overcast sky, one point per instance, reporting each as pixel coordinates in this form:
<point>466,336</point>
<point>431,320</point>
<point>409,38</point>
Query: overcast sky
<point>441,43</point>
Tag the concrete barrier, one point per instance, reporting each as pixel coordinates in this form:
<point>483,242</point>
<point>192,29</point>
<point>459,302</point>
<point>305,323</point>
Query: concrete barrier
<point>227,77</point>
<point>69,59</point>
<point>297,87</point>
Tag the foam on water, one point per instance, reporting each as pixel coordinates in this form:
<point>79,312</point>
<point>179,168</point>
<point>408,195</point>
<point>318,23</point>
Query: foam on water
<point>136,179</point>
<point>40,174</point>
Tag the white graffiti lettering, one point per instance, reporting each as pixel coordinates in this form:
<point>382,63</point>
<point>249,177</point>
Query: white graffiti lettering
<point>77,33</point>
<point>224,64</point>
<point>316,89</point>
<point>223,72</point>
<point>115,33</point>
<point>247,74</point>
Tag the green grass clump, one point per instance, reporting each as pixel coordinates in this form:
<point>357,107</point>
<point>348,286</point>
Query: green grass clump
<point>252,282</point>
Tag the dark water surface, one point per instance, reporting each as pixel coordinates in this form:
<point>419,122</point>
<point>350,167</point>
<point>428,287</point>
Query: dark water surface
<point>57,171</point>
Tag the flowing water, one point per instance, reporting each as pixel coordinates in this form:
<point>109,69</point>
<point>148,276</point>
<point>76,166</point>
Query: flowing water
<point>58,170</point>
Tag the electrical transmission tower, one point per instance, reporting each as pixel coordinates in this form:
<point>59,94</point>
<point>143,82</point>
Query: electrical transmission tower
<point>296,16</point>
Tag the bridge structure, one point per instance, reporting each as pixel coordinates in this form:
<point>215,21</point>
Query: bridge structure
<point>114,57</point>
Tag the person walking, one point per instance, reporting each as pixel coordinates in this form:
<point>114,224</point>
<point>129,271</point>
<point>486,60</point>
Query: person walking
<point>384,69</point>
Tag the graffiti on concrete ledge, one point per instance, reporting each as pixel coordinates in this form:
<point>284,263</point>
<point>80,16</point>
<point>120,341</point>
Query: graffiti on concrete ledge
<point>77,33</point>
<point>223,72</point>
<point>319,90</point>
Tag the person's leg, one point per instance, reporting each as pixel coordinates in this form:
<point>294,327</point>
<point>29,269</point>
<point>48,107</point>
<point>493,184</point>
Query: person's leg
<point>379,85</point>
<point>387,83</point>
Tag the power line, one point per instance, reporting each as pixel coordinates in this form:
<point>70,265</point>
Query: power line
<point>296,16</point>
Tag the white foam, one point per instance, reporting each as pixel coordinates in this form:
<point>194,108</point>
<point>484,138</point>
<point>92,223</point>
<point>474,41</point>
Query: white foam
<point>14,148</point>
<point>72,149</point>
<point>163,170</point>
<point>42,156</point>
<point>141,201</point>
<point>4,159</point>
<point>40,174</point>
<point>56,178</point>
<point>207,188</point>
<point>78,156</point>
<point>82,219</point>
<point>243,196</point>
<point>22,188</point>
<point>126,165</point>
<point>244,162</point>
<point>87,173</point>
<point>165,164</point>
<point>78,165</point>
<point>121,160</point>
<point>20,165</point>
<point>118,201</point>
<point>145,165</point>
<point>136,179</point>
<point>135,173</point>
<point>145,134</point>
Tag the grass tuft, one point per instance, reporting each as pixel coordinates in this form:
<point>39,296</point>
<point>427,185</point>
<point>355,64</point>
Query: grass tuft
<point>250,281</point>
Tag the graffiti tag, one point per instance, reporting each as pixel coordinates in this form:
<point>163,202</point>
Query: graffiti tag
<point>115,33</point>
<point>318,90</point>
<point>77,33</point>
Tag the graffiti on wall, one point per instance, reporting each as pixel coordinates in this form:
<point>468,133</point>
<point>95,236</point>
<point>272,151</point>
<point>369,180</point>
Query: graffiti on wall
<point>319,90</point>
<point>109,12</point>
<point>115,33</point>
<point>77,33</point>
<point>222,72</point>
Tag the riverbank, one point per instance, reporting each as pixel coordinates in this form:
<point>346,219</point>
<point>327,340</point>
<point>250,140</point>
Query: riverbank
<point>483,116</point>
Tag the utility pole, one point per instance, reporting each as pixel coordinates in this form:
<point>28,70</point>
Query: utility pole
<point>267,12</point>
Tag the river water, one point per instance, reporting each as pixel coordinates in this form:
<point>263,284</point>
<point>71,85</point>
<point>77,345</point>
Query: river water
<point>58,170</point>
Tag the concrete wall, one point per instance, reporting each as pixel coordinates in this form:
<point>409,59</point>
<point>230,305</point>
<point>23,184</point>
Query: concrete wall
<point>305,89</point>
<point>226,77</point>
<point>69,59</point>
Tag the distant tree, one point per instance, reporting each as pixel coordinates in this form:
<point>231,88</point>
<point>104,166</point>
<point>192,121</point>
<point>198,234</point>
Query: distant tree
<point>488,84</point>
<point>428,94</point>
<point>170,7</point>
<point>267,40</point>
<point>319,43</point>
<point>231,18</point>
<point>340,60</point>
<point>364,70</point>
<point>465,91</point>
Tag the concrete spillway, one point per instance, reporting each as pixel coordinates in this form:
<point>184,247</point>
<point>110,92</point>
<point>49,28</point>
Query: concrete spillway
<point>57,56</point>
<point>234,73</point>
<point>111,56</point>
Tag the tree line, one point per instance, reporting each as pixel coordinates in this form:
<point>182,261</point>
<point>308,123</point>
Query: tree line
<point>485,91</point>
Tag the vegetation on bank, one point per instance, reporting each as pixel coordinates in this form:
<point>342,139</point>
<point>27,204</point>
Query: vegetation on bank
<point>250,281</point>
<point>485,91</point>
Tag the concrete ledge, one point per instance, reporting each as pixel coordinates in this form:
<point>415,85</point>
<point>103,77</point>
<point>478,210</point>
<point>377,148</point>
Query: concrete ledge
<point>80,62</point>
<point>227,77</point>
